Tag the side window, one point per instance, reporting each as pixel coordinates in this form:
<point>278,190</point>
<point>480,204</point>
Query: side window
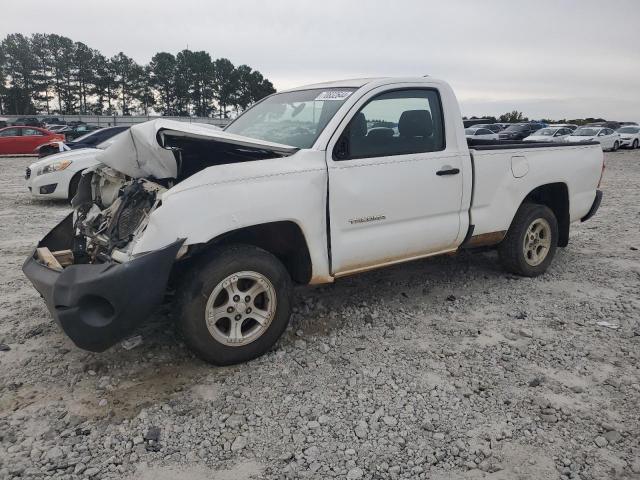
<point>31,132</point>
<point>10,132</point>
<point>394,123</point>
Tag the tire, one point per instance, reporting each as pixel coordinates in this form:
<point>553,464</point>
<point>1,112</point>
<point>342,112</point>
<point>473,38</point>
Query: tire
<point>513,251</point>
<point>73,185</point>
<point>635,144</point>
<point>616,146</point>
<point>220,343</point>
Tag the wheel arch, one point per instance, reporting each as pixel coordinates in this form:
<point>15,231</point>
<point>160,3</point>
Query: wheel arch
<point>284,239</point>
<point>555,196</point>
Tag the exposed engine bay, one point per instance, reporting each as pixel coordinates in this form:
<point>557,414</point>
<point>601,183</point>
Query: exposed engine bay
<point>111,209</point>
<point>115,199</point>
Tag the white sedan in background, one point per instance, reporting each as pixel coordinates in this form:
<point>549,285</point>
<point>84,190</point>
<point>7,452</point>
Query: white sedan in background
<point>608,138</point>
<point>57,176</point>
<point>629,136</point>
<point>480,133</point>
<point>549,134</point>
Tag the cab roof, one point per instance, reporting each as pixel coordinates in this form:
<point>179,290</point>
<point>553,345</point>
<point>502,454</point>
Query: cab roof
<point>361,82</point>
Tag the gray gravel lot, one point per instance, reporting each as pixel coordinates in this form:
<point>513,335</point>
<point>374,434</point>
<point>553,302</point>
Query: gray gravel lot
<point>443,368</point>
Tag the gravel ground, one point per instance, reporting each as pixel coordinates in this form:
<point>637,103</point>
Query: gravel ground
<point>444,368</point>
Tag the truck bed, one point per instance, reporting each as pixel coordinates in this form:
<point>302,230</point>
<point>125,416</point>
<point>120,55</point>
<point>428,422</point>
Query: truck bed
<point>574,168</point>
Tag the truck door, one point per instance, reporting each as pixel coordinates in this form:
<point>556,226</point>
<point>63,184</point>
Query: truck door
<point>395,190</point>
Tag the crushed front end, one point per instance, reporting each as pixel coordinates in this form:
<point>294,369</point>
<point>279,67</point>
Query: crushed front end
<point>96,290</point>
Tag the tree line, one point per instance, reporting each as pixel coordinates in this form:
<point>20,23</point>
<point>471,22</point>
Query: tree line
<point>52,74</point>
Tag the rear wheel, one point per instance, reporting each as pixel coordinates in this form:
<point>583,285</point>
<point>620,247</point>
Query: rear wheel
<point>531,242</point>
<point>235,306</point>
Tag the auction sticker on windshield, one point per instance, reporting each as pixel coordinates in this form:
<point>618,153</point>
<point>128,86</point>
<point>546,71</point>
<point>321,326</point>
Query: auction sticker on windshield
<point>334,95</point>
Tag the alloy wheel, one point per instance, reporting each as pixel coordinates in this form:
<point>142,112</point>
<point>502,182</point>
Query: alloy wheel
<point>240,308</point>
<point>537,242</point>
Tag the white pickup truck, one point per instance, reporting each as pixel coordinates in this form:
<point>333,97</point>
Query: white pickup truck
<point>307,186</point>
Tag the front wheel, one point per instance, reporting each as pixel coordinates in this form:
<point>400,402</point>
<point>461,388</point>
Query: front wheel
<point>531,242</point>
<point>635,144</point>
<point>616,146</point>
<point>236,305</point>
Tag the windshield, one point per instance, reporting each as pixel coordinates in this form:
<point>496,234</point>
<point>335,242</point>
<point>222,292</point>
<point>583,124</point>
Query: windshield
<point>292,118</point>
<point>629,130</point>
<point>546,132</point>
<point>515,128</point>
<point>585,132</point>
<point>470,131</point>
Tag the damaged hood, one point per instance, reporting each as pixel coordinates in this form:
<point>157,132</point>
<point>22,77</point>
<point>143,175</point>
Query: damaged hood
<point>139,152</point>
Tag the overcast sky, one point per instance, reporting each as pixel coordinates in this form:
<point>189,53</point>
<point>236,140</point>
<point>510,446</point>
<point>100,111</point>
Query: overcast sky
<point>555,58</point>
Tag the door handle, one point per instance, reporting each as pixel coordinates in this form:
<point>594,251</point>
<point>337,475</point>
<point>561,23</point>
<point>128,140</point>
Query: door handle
<point>447,170</point>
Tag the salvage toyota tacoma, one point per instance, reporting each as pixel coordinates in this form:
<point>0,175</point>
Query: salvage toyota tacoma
<point>307,186</point>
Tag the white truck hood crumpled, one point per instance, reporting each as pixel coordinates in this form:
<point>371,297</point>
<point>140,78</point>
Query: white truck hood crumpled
<point>138,152</point>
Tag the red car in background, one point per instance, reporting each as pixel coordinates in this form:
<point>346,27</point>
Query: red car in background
<point>24,140</point>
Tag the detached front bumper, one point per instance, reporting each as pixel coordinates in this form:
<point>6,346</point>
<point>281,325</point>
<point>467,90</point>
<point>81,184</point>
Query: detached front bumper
<point>97,305</point>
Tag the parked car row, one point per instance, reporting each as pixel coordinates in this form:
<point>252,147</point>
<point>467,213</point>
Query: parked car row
<point>28,140</point>
<point>609,138</point>
<point>34,122</point>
